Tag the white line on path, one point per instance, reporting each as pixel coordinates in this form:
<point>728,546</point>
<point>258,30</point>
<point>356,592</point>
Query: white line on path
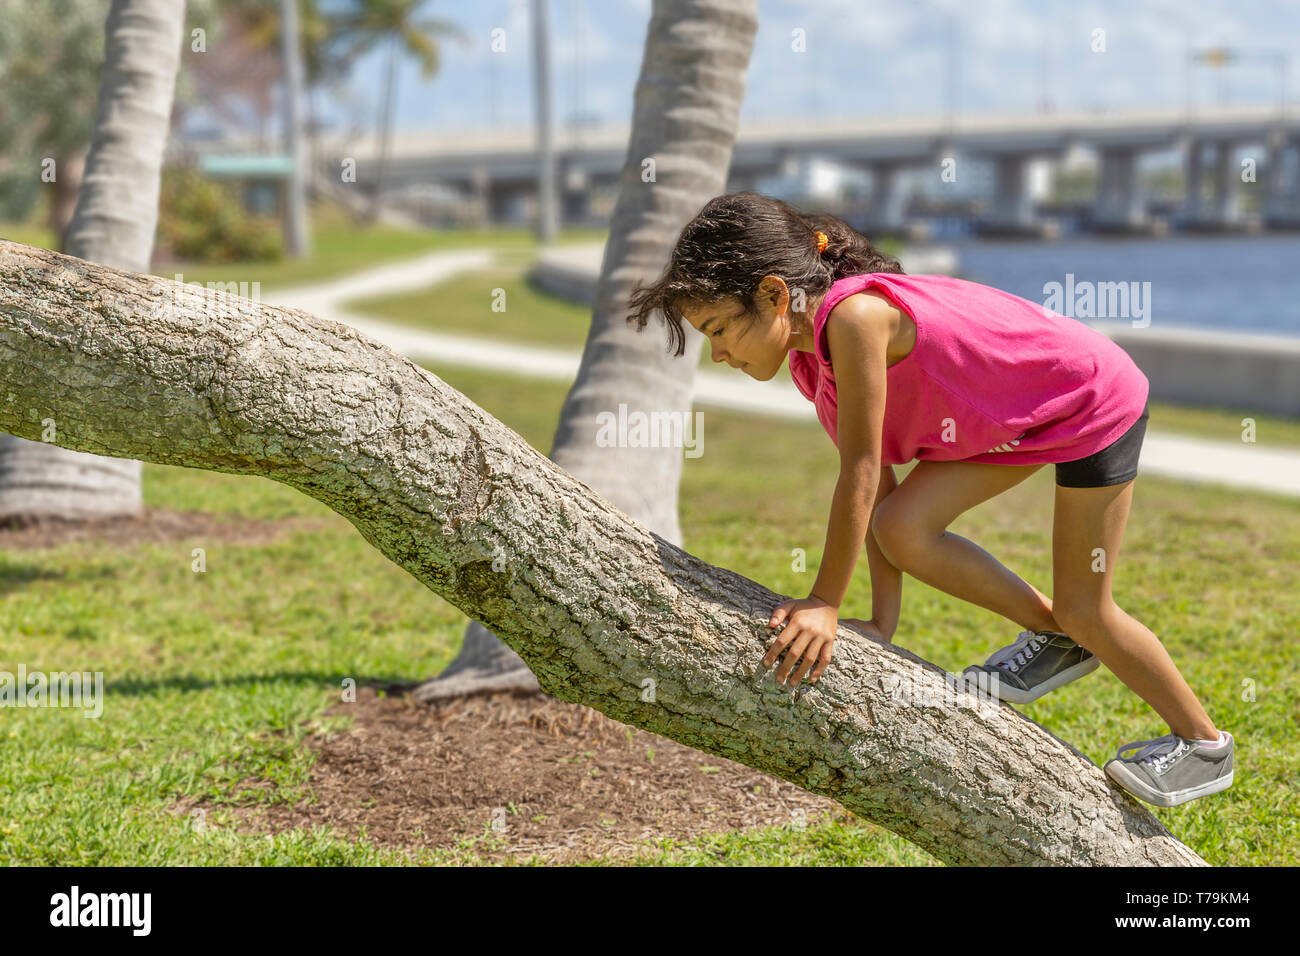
<point>1234,464</point>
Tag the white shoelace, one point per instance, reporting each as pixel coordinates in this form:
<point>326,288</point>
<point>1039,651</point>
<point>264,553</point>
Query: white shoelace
<point>1004,655</point>
<point>1160,752</point>
<point>1026,654</point>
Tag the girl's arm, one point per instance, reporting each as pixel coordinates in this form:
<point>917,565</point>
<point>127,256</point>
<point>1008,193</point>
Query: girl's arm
<point>857,333</point>
<point>886,580</point>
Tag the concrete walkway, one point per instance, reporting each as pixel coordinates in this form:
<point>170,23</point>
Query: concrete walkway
<point>326,299</point>
<point>1232,464</point>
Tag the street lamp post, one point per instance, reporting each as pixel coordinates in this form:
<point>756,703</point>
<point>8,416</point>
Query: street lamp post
<point>546,219</point>
<point>297,237</point>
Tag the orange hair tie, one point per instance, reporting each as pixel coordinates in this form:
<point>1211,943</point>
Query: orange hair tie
<point>821,241</point>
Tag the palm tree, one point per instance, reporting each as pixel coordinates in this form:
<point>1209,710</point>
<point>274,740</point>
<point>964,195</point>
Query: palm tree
<point>369,22</point>
<point>685,117</point>
<point>546,213</point>
<point>113,224</point>
<point>261,31</point>
<point>298,239</point>
<point>260,23</point>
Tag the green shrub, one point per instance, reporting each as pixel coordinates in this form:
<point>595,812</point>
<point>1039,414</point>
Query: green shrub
<point>204,221</point>
<point>19,194</point>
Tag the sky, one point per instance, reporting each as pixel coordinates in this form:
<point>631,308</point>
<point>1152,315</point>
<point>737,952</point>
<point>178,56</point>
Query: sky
<point>883,56</point>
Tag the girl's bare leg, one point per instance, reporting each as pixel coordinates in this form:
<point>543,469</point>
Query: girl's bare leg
<point>909,529</point>
<point>1086,534</point>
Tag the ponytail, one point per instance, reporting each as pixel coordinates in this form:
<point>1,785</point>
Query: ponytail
<point>849,252</point>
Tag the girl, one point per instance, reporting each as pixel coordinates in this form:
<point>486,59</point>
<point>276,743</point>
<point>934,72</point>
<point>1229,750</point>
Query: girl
<point>984,388</point>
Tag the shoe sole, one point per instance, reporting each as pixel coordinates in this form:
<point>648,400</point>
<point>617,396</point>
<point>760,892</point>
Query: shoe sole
<point>1116,770</point>
<point>1014,695</point>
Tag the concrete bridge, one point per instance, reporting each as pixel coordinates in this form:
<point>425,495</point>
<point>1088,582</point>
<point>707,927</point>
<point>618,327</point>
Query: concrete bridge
<point>498,168</point>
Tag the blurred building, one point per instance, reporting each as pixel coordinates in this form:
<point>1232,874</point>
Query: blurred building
<point>1006,174</point>
<point>261,180</point>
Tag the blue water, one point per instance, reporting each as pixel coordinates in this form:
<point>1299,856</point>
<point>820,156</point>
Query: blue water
<point>1246,283</point>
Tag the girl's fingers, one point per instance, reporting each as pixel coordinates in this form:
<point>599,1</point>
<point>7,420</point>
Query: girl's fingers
<point>793,654</point>
<point>810,657</point>
<point>780,614</point>
<point>774,649</point>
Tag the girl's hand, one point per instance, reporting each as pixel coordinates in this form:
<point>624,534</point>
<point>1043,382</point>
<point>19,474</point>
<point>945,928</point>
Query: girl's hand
<point>809,633</point>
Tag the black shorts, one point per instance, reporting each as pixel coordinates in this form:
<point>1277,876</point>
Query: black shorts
<point>1113,465</point>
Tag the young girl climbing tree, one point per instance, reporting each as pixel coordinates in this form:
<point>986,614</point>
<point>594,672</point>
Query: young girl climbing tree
<point>983,388</point>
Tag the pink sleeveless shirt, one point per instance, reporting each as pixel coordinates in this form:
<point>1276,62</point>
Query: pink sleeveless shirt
<point>991,378</point>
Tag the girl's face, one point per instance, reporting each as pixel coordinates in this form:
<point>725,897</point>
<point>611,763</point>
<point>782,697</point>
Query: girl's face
<point>755,344</point>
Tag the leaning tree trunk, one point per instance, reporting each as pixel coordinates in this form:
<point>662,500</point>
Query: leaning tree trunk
<point>385,132</point>
<point>685,118</point>
<point>606,612</point>
<point>114,221</point>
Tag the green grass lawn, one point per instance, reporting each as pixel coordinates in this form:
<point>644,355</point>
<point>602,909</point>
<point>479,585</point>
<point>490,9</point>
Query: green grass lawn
<point>28,233</point>
<point>214,678</point>
<point>338,247</point>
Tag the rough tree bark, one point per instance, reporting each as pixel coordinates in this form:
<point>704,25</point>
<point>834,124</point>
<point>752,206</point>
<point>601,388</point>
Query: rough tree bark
<point>605,612</point>
<point>685,118</point>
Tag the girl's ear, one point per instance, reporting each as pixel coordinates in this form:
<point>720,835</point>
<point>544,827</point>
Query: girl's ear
<point>772,289</point>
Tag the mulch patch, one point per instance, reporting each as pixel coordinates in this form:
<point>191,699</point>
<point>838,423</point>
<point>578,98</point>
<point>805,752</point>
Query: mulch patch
<point>539,777</point>
<point>154,525</point>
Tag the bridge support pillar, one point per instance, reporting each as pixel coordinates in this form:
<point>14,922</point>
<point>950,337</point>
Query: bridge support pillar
<point>888,198</point>
<point>480,196</point>
<point>1193,166</point>
<point>1227,206</point>
<point>1118,206</point>
<point>1223,211</point>
<point>1011,204</point>
<point>1013,209</point>
<point>1282,183</point>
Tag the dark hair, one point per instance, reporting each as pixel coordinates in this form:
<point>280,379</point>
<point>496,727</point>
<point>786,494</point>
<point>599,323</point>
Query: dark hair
<point>736,240</point>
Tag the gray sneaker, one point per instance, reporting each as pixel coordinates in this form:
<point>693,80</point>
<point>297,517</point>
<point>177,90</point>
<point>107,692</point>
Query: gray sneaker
<point>1040,661</point>
<point>1170,770</point>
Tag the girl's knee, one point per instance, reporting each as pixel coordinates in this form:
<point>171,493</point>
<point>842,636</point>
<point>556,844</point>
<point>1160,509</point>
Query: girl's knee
<point>887,528</point>
<point>1084,615</point>
<point>899,535</point>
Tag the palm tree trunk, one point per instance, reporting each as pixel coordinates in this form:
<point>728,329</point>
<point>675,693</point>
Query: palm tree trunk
<point>386,133</point>
<point>297,237</point>
<point>114,222</point>
<point>69,171</point>
<point>606,612</point>
<point>685,117</point>
<point>546,215</point>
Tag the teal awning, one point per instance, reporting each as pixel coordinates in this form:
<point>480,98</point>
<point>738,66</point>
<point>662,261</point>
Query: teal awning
<point>233,166</point>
